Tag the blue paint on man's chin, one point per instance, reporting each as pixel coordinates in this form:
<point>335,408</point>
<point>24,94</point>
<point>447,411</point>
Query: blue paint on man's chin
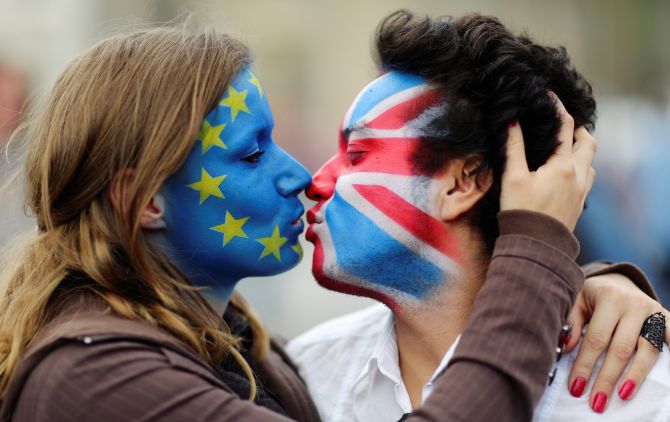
<point>366,251</point>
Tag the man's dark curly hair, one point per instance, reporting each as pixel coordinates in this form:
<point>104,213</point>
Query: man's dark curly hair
<point>488,77</point>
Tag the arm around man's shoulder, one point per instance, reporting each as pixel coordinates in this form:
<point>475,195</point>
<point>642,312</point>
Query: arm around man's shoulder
<point>501,365</point>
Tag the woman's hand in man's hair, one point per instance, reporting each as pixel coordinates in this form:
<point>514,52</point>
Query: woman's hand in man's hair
<point>559,187</point>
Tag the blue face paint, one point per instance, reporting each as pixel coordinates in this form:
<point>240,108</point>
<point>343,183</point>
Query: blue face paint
<point>232,209</point>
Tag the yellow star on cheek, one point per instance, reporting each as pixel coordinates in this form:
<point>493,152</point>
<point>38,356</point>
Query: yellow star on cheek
<point>236,101</point>
<point>297,249</point>
<point>211,136</point>
<point>231,228</point>
<point>208,186</point>
<point>272,244</point>
<point>255,82</point>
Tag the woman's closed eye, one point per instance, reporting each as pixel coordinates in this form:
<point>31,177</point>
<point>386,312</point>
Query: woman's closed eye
<point>253,157</point>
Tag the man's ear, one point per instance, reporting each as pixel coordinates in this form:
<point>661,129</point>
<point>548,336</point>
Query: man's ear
<point>152,215</point>
<point>462,187</point>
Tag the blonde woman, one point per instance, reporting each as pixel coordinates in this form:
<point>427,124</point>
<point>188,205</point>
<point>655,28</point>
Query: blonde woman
<point>156,186</point>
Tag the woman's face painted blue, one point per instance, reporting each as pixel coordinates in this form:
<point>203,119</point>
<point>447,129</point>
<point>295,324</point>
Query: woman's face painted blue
<point>232,209</point>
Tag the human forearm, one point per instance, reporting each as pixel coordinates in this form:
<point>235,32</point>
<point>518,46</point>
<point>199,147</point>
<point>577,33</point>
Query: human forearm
<point>500,367</point>
<point>631,271</point>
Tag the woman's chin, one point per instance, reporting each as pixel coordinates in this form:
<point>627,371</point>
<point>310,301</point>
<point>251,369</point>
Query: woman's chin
<point>286,264</point>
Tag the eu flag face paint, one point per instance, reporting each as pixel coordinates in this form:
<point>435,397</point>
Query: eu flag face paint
<point>232,209</point>
<point>375,227</point>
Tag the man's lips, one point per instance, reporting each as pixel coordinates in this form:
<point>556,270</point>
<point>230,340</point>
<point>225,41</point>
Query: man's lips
<point>310,235</point>
<point>313,215</point>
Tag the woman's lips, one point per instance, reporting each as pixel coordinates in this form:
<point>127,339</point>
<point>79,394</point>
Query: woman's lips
<point>297,220</point>
<point>310,235</point>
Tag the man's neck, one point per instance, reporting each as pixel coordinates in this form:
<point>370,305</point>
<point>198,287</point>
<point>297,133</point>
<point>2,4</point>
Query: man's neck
<point>425,332</point>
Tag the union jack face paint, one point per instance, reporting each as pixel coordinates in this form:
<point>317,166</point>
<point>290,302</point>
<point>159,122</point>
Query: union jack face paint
<point>375,226</point>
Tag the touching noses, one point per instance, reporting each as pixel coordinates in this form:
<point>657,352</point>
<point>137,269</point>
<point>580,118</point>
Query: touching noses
<point>323,183</point>
<point>293,178</point>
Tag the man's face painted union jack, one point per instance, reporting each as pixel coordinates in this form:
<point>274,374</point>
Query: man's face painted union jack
<point>375,226</point>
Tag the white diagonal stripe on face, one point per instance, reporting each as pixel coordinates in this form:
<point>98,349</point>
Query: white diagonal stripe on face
<point>369,133</point>
<point>403,186</point>
<point>347,116</point>
<point>392,101</point>
<point>391,227</point>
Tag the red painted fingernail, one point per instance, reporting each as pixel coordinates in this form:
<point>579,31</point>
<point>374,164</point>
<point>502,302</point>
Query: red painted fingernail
<point>566,339</point>
<point>626,389</point>
<point>566,333</point>
<point>577,388</point>
<point>599,402</point>
<point>511,123</point>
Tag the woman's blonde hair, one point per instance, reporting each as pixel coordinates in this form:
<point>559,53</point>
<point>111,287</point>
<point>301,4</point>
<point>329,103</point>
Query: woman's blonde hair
<point>130,102</point>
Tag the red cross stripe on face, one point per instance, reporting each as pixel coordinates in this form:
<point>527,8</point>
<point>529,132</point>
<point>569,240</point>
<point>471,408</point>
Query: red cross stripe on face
<point>374,227</point>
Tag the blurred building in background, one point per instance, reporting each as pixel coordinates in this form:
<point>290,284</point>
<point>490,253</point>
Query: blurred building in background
<point>314,55</point>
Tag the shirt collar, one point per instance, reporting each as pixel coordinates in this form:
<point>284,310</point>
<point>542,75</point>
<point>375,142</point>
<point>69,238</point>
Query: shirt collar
<point>384,356</point>
<point>445,360</point>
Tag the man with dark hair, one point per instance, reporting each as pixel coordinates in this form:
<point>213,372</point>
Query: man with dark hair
<point>408,214</point>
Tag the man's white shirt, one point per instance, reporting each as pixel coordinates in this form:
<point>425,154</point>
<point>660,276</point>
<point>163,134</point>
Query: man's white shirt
<point>351,367</point>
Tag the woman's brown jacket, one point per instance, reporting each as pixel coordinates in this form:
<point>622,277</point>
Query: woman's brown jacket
<point>87,365</point>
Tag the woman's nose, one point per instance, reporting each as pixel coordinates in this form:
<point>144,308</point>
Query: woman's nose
<point>293,178</point>
<point>323,183</point>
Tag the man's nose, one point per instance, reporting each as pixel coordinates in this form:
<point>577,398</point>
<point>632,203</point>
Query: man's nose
<point>293,178</point>
<point>323,183</point>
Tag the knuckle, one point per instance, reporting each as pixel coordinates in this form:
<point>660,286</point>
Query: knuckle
<point>566,171</point>
<point>581,189</point>
<point>611,293</point>
<point>597,340</point>
<point>639,300</point>
<point>623,350</point>
<point>582,369</point>
<point>517,181</point>
<point>635,374</point>
<point>567,118</point>
<point>604,384</point>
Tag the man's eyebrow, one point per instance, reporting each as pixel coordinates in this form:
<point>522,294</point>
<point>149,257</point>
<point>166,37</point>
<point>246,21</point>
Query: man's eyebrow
<point>346,133</point>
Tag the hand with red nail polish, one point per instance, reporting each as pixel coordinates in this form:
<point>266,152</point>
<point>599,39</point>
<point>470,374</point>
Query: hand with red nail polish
<point>577,387</point>
<point>599,402</point>
<point>558,188</point>
<point>626,389</point>
<point>616,308</point>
